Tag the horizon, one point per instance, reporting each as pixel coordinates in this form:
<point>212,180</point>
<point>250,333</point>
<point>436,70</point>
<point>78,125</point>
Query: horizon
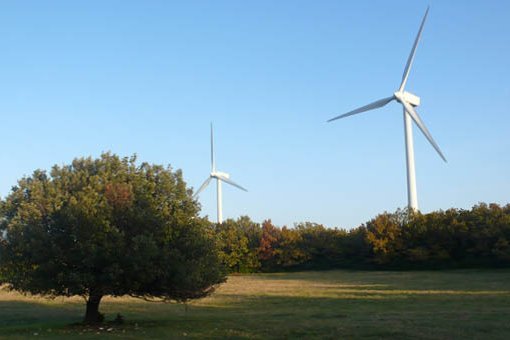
<point>149,78</point>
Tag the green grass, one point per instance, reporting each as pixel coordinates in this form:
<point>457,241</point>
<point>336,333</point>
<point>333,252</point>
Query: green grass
<point>461,304</point>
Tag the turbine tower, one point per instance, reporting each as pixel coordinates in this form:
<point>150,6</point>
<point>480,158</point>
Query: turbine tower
<point>409,101</point>
<point>220,177</point>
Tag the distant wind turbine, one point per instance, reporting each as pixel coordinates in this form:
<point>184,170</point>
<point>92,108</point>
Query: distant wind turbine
<point>220,177</point>
<point>409,101</point>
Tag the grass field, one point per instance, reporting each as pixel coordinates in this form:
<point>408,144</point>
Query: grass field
<point>463,304</point>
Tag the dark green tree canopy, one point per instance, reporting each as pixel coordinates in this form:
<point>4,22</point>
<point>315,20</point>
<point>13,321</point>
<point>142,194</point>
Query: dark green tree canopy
<point>107,226</point>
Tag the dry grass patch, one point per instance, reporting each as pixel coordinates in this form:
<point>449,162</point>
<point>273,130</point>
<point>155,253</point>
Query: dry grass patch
<point>335,304</point>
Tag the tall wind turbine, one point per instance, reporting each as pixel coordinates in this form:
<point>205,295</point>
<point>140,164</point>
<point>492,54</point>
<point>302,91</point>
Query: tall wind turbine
<point>220,177</point>
<point>409,101</point>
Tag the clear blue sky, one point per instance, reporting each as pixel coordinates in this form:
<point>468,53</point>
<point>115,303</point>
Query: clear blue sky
<point>147,77</point>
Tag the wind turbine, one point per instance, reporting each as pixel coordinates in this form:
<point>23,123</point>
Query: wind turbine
<point>409,101</point>
<point>220,177</point>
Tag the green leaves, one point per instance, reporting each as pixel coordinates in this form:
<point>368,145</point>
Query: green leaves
<point>110,226</point>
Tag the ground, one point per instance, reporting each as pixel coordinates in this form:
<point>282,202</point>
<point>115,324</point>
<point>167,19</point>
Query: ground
<point>461,304</point>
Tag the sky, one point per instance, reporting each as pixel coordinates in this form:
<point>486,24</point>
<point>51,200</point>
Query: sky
<point>78,78</point>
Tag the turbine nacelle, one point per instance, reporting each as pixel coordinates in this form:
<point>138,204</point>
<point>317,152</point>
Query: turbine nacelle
<point>412,99</point>
<point>220,175</point>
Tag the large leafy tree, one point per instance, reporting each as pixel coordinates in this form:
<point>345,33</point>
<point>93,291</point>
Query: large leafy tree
<point>236,250</point>
<point>383,234</point>
<point>269,242</point>
<point>107,226</point>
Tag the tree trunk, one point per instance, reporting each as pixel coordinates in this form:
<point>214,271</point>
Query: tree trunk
<point>92,314</point>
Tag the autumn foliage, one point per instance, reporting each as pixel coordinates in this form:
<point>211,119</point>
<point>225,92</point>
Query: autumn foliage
<point>442,239</point>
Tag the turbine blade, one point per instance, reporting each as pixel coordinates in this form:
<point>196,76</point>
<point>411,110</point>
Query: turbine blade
<point>411,55</point>
<point>203,186</point>
<point>226,180</point>
<point>371,106</point>
<point>212,151</point>
<point>416,117</point>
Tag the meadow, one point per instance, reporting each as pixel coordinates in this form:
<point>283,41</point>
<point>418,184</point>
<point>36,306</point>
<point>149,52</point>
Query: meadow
<point>461,304</point>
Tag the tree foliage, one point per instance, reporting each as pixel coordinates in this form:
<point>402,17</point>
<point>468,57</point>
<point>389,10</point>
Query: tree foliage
<point>237,242</point>
<point>107,226</point>
<point>403,239</point>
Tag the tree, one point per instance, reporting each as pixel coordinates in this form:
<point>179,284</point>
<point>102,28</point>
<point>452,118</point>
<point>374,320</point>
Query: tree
<point>252,231</point>
<point>383,234</point>
<point>107,226</point>
<point>318,244</point>
<point>269,242</point>
<point>234,247</point>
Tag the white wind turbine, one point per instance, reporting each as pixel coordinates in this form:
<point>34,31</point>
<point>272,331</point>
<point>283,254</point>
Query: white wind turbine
<point>220,177</point>
<point>409,101</point>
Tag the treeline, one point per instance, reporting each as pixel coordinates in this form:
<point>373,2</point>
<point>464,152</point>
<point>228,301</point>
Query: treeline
<point>453,238</point>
